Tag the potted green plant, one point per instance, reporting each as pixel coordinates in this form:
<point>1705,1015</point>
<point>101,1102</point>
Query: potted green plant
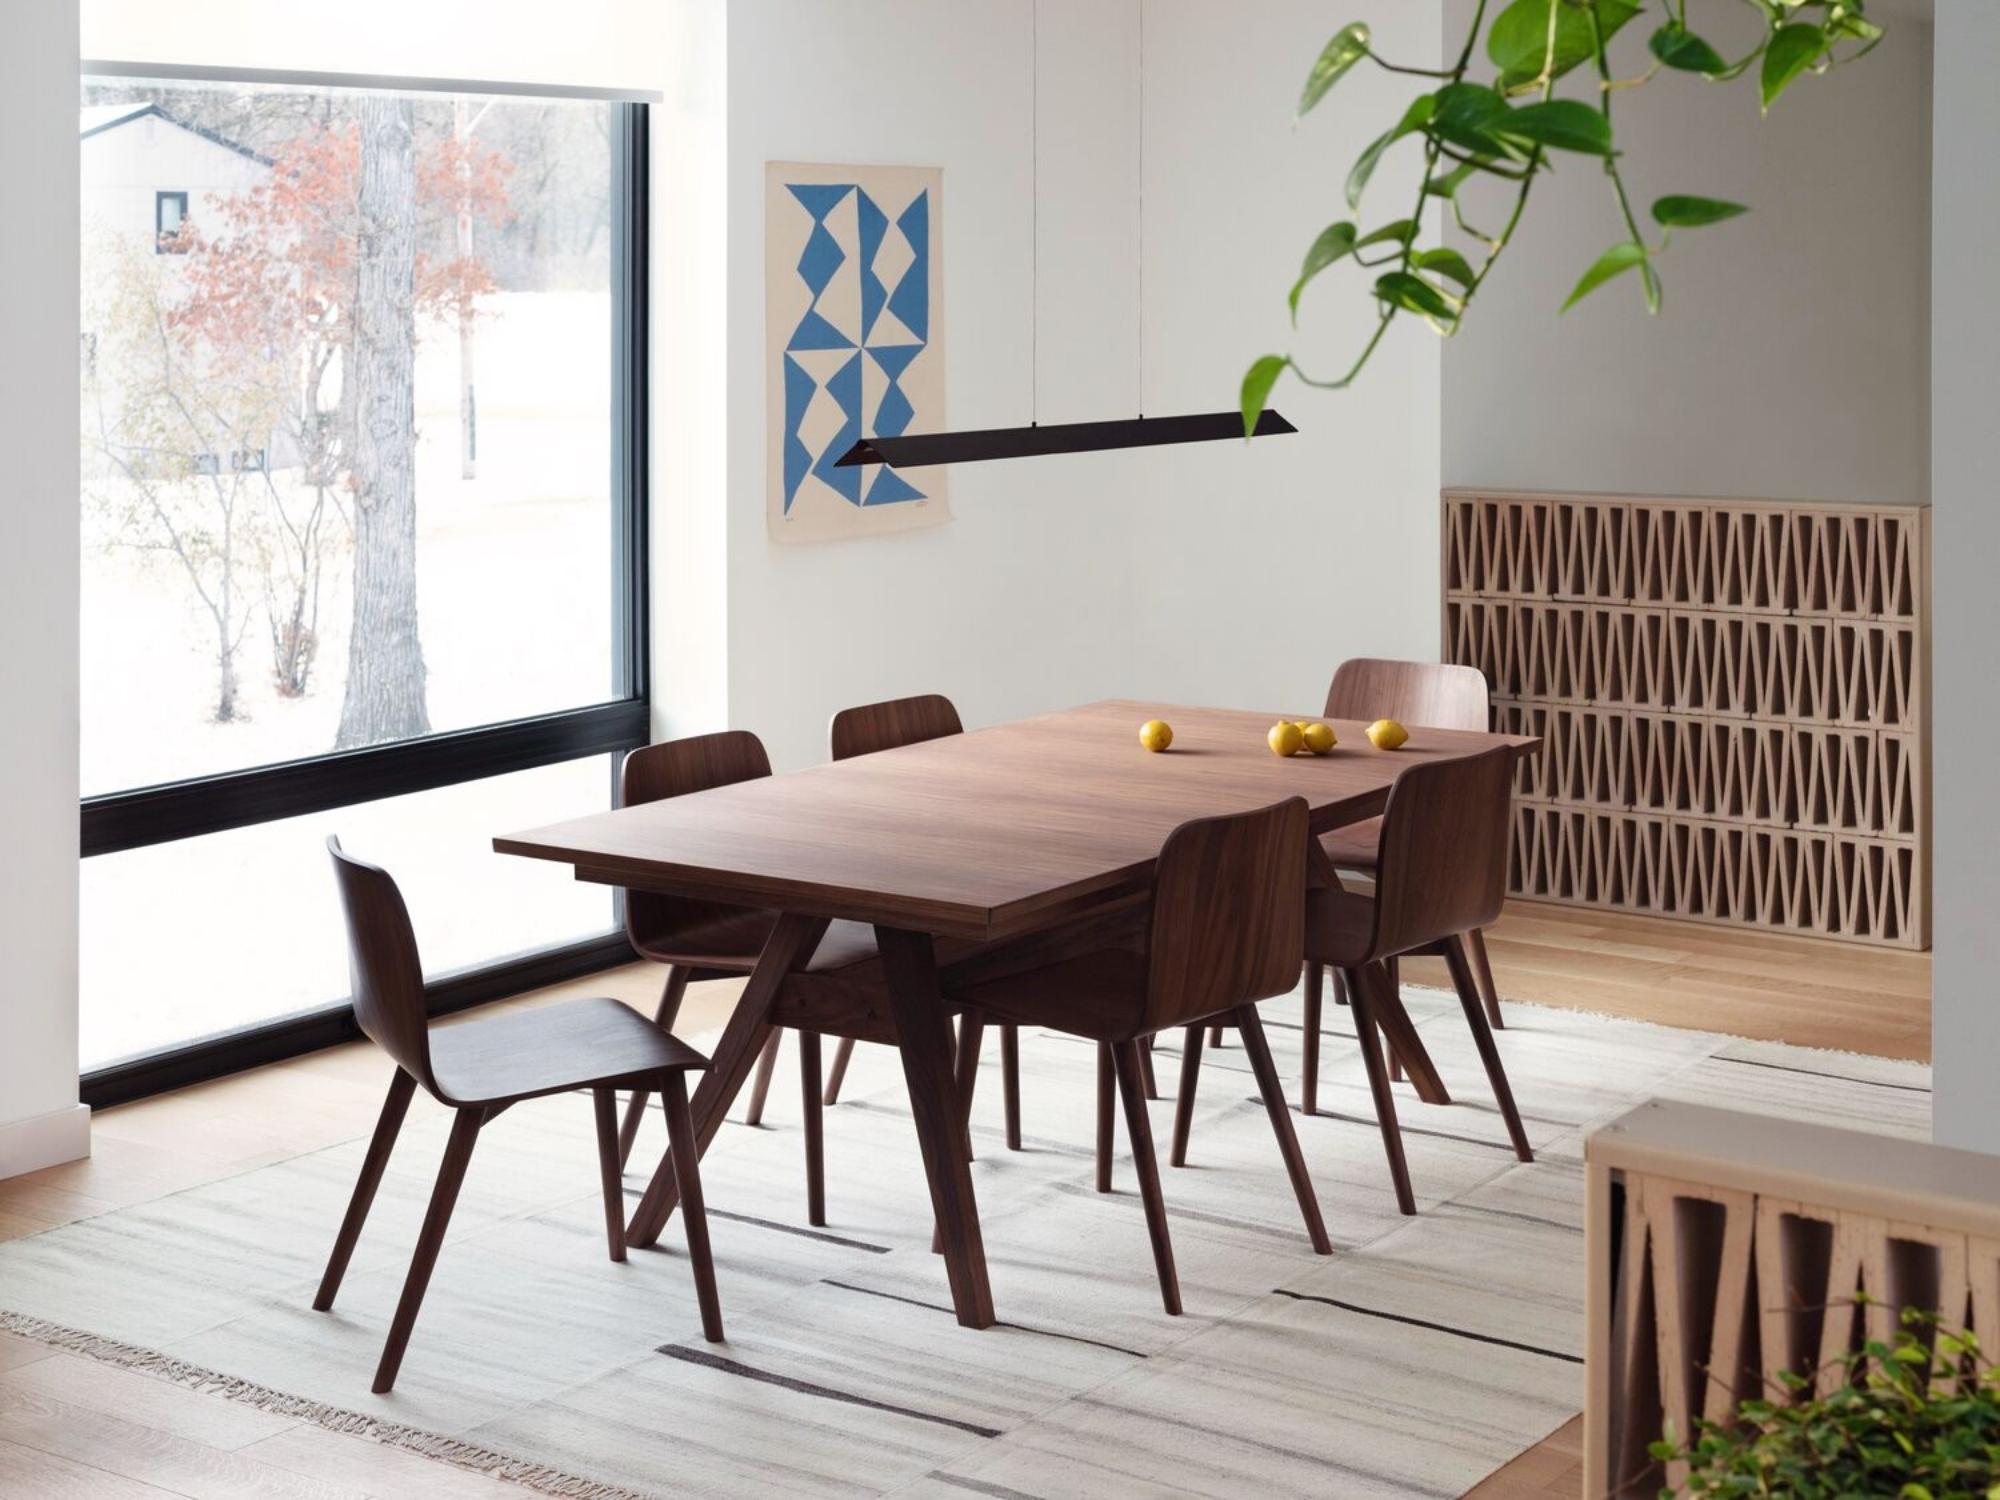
<point>1918,1419</point>
<point>1502,136</point>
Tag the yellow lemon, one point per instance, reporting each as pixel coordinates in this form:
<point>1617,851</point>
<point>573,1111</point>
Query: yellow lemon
<point>1156,734</point>
<point>1319,738</point>
<point>1285,738</point>
<point>1387,734</point>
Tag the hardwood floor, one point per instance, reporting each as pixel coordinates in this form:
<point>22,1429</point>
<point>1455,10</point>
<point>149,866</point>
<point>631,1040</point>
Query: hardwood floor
<point>69,1427</point>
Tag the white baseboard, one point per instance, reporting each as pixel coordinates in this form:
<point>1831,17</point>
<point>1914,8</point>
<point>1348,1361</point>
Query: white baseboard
<point>44,1140</point>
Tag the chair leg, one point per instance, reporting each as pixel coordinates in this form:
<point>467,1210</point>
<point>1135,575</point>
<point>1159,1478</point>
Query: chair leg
<point>387,1126</point>
<point>694,1216</point>
<point>836,1075</point>
<point>1184,1101</point>
<point>1339,989</point>
<point>1309,1052</point>
<point>1010,1082</point>
<point>1146,1068</point>
<point>809,1102</point>
<point>1394,973</point>
<point>1250,1026</point>
<point>965,1071</point>
<point>605,1103</point>
<point>663,1017</point>
<point>1489,1053</point>
<point>444,1197</point>
<point>1106,1085</point>
<point>1361,1000</point>
<point>1215,1036</point>
<point>1482,972</point>
<point>760,1087</point>
<point>1139,1130</point>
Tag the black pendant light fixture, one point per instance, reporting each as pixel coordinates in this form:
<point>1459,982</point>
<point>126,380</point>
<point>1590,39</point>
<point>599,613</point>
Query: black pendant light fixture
<point>923,449</point>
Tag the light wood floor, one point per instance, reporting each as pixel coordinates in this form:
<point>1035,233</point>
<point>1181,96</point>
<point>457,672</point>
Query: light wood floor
<point>69,1427</point>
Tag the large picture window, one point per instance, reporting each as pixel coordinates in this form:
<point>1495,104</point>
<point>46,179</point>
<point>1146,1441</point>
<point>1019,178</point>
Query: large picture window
<point>362,521</point>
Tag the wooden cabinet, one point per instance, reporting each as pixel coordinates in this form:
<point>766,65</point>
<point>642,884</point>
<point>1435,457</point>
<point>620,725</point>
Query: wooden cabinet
<point>1735,696</point>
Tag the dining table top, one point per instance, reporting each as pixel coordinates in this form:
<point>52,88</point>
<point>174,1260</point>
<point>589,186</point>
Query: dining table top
<point>986,834</point>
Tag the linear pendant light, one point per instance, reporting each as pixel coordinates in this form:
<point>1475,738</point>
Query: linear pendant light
<point>923,449</point>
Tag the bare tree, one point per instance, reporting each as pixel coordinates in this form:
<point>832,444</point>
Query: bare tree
<point>385,659</point>
<point>180,445</point>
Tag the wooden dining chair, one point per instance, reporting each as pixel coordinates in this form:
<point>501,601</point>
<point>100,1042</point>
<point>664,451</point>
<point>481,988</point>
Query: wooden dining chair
<point>699,939</point>
<point>1440,873</point>
<point>1225,930</point>
<point>479,1067</point>
<point>874,727</point>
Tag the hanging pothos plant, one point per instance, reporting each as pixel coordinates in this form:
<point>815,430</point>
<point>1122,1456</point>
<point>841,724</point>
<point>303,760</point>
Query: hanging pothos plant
<point>1508,132</point>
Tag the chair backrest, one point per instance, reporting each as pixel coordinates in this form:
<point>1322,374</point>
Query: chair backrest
<point>1442,862</point>
<point>384,971</point>
<point>884,726</point>
<point>673,768</point>
<point>1435,694</point>
<point>1228,923</point>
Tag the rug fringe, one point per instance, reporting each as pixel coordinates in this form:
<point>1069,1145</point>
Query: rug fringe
<point>432,1445</point>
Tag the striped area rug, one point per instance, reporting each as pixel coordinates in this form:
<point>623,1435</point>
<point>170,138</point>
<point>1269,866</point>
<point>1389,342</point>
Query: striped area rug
<point>1420,1356</point>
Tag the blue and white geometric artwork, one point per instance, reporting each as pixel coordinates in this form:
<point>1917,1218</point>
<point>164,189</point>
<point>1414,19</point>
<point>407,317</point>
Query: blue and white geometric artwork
<point>854,326</point>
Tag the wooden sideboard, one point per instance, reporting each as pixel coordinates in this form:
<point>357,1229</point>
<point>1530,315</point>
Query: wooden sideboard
<point>1723,1248</point>
<point>1734,697</point>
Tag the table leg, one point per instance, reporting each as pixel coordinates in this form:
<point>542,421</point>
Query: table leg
<point>909,965</point>
<point>790,946</point>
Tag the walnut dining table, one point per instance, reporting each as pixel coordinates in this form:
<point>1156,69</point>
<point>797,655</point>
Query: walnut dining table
<point>971,841</point>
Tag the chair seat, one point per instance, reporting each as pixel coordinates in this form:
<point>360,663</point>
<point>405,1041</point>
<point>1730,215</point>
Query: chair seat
<point>1354,847</point>
<point>550,1049</point>
<point>1340,928</point>
<point>1100,994</point>
<point>731,943</point>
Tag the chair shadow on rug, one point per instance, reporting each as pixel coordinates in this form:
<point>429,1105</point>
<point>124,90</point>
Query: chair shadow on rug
<point>479,1068</point>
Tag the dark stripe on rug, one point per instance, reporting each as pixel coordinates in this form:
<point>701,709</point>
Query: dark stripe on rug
<point>979,1486</point>
<point>1509,1213</point>
<point>1291,1233</point>
<point>1876,1083</point>
<point>810,1234</point>
<point>1463,1333</point>
<point>1437,1135</point>
<point>940,1307</point>
<point>806,1388</point>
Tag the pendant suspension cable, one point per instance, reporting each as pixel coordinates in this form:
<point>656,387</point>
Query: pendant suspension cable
<point>1141,278</point>
<point>1035,212</point>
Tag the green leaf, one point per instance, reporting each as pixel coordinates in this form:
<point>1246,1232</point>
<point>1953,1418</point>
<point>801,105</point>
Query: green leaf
<point>1518,40</point>
<point>1565,124</point>
<point>1348,47</point>
<point>1792,50</point>
<point>1257,383</point>
<point>1677,47</point>
<point>1616,261</point>
<point>1446,184</point>
<point>1684,211</point>
<point>1334,241</point>
<point>1466,114</point>
<point>1414,294</point>
<point>1444,262</point>
<point>1398,230</point>
<point>1414,118</point>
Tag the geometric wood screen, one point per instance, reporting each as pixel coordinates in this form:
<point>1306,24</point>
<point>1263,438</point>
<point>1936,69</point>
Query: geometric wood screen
<point>1746,1248</point>
<point>1733,699</point>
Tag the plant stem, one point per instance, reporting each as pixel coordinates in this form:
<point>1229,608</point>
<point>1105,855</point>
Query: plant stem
<point>1382,62</point>
<point>1648,280</point>
<point>1381,327</point>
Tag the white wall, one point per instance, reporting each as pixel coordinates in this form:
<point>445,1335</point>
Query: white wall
<point>1791,357</point>
<point>40,1119</point>
<point>1200,574</point>
<point>1965,364</point>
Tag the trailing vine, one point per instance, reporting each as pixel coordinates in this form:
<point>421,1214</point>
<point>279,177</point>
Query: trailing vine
<point>1509,132</point>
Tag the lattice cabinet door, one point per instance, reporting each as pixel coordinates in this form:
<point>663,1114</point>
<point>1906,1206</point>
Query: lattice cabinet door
<point>1733,697</point>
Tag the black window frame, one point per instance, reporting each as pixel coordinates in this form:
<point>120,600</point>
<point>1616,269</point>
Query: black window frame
<point>162,240</point>
<point>172,811</point>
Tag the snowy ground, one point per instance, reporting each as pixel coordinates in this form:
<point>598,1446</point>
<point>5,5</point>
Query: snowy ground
<point>188,939</point>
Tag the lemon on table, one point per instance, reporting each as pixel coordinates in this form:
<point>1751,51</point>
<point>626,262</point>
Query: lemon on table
<point>1285,738</point>
<point>1156,734</point>
<point>1387,734</point>
<point>1318,738</point>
